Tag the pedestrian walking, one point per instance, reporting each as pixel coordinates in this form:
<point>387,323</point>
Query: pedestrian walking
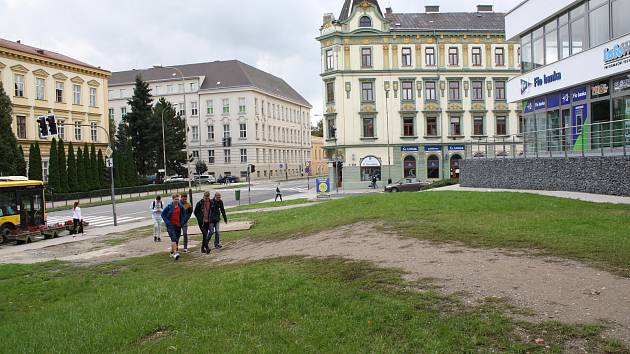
<point>203,209</point>
<point>374,181</point>
<point>156,213</point>
<point>278,193</point>
<point>174,217</point>
<point>77,219</point>
<point>217,209</point>
<point>188,208</point>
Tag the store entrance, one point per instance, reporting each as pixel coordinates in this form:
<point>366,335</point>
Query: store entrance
<point>600,134</point>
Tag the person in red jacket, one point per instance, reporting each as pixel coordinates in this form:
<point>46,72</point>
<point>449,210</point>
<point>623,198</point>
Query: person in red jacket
<point>174,216</point>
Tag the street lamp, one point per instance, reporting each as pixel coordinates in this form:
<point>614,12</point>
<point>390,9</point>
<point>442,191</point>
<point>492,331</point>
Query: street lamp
<point>389,159</point>
<point>164,142</point>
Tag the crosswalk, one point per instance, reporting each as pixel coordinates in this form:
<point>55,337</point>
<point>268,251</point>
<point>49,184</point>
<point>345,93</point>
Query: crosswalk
<point>267,189</point>
<point>96,221</point>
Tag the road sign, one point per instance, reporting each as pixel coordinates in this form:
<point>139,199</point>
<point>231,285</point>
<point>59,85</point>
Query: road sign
<point>308,164</point>
<point>109,152</point>
<point>307,170</point>
<point>109,162</point>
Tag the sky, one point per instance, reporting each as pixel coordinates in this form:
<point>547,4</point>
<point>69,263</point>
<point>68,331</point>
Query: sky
<point>277,36</point>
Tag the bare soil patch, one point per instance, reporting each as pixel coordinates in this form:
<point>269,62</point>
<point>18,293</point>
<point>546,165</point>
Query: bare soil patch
<point>549,288</point>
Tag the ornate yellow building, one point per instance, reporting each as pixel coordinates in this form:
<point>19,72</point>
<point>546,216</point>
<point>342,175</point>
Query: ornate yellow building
<point>319,162</point>
<point>41,82</point>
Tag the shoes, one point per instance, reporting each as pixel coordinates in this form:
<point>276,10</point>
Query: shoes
<point>155,239</point>
<point>176,256</point>
<point>218,246</point>
<point>159,240</point>
<point>185,250</point>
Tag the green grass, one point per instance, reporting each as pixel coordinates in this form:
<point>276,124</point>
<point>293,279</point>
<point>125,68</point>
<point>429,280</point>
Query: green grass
<point>597,233</point>
<point>271,205</point>
<point>150,305</point>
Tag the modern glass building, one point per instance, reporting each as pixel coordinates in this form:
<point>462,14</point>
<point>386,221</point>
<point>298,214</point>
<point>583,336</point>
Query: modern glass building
<point>575,81</point>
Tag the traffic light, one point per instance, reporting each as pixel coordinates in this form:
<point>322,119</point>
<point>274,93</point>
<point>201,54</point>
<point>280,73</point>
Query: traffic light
<point>191,158</point>
<point>52,125</point>
<point>43,127</point>
<point>252,168</point>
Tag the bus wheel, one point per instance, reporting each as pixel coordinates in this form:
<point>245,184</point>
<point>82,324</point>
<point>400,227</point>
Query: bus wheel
<point>4,234</point>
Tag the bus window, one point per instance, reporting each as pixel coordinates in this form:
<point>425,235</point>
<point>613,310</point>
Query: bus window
<point>32,208</point>
<point>8,203</point>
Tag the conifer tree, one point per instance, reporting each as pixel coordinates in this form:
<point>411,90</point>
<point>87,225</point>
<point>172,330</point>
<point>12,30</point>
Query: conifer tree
<point>20,163</point>
<point>142,128</point>
<point>63,167</point>
<point>38,173</point>
<point>31,154</point>
<point>73,183</point>
<point>94,171</point>
<point>53,167</point>
<point>100,165</point>
<point>35,163</point>
<point>80,170</point>
<point>87,165</point>
<point>9,149</point>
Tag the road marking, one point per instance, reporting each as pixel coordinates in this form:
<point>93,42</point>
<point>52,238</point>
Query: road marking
<point>97,220</point>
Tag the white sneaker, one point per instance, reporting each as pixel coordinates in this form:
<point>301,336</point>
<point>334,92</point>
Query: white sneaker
<point>185,250</point>
<point>176,256</point>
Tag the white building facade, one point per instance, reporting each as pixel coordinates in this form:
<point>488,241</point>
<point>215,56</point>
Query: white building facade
<point>575,81</point>
<point>407,95</point>
<point>267,123</point>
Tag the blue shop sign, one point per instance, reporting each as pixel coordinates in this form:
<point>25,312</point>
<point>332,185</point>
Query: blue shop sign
<point>529,107</point>
<point>565,98</point>
<point>540,103</point>
<point>430,148</point>
<point>456,148</point>
<point>578,94</point>
<point>409,149</point>
<point>553,100</point>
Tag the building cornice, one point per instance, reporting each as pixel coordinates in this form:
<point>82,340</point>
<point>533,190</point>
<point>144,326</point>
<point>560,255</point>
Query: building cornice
<point>52,63</point>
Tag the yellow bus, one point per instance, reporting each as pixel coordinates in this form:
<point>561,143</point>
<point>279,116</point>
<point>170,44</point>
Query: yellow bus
<point>22,205</point>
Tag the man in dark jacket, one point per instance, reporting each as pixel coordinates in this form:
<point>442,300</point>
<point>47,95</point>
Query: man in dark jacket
<point>203,209</point>
<point>216,211</point>
<point>174,216</point>
<point>189,211</point>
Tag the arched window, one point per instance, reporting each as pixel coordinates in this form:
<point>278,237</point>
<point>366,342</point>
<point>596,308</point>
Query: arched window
<point>455,159</point>
<point>433,167</point>
<point>365,21</point>
<point>410,167</point>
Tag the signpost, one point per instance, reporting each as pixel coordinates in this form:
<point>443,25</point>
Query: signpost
<point>323,187</point>
<point>109,163</point>
<point>308,175</point>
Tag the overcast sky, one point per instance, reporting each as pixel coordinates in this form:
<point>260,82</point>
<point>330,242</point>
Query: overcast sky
<point>277,36</point>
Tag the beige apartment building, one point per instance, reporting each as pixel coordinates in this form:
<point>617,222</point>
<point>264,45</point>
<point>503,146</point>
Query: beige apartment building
<point>319,162</point>
<point>407,95</point>
<point>40,82</point>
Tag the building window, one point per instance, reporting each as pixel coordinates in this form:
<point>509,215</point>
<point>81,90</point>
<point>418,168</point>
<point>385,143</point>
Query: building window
<point>194,108</point>
<point>599,22</point>
<point>620,11</point>
<point>182,109</point>
<point>211,157</point>
<point>367,91</point>
<point>77,131</point>
<point>429,56</point>
<point>366,57</point>
<point>241,105</point>
<point>19,85</point>
<point>368,127</point>
<point>477,90</point>
<point>407,90</point>
<point>93,132</point>
<point>430,92</point>
<point>563,35</point>
<point>123,111</point>
<point>454,93</point>
<point>499,56</point>
<point>551,42</point>
<point>195,154</point>
<point>329,59</point>
<point>330,92</point>
<point>501,125</point>
<point>45,170</point>
<point>456,126</point>
<point>211,132</point>
<point>92,97</point>
<point>409,167</point>
<point>193,87</point>
<point>406,56</point>
<point>499,90</point>
<point>539,48</point>
<point>226,130</point>
<point>521,124</point>
<point>432,126</point>
<point>169,89</point>
<point>21,127</point>
<point>59,91</point>
<point>180,88</point>
<point>226,105</point>
<point>227,158</point>
<point>243,155</point>
<point>365,21</point>
<point>243,130</point>
<point>332,130</point>
<point>209,107</point>
<point>408,127</point>
<point>476,56</point>
<point>578,29</point>
<point>61,129</point>
<point>526,52</point>
<point>76,91</point>
<point>40,88</point>
<point>195,132</point>
<point>478,126</point>
<point>433,167</point>
<point>453,56</point>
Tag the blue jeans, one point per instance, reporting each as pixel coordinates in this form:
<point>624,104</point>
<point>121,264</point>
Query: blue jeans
<point>174,232</point>
<point>214,229</point>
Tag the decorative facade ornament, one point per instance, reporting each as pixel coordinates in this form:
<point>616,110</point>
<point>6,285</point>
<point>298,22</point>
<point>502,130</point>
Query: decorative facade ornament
<point>455,106</point>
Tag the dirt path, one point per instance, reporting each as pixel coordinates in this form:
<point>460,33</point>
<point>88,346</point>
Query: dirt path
<point>554,289</point>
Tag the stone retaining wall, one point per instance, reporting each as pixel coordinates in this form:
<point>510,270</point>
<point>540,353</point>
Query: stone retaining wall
<point>601,175</point>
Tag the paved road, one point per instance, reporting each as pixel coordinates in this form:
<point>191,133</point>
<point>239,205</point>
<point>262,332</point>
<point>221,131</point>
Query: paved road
<point>139,210</point>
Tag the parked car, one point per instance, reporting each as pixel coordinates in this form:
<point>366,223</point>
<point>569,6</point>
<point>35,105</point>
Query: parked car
<point>172,179</point>
<point>406,185</point>
<point>228,179</point>
<point>205,179</point>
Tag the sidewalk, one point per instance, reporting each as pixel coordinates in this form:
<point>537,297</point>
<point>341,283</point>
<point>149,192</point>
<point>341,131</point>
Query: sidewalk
<point>586,197</point>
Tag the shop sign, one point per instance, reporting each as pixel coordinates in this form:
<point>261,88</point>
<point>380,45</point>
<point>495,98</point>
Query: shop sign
<point>456,148</point>
<point>432,148</point>
<point>565,98</point>
<point>599,90</point>
<point>578,94</point>
<point>409,149</point>
<point>370,161</point>
<point>540,103</point>
<point>553,101</point>
<point>621,85</point>
<point>616,55</point>
<point>529,107</point>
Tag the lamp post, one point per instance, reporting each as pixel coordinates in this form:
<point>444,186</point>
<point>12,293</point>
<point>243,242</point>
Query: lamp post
<point>389,159</point>
<point>164,142</point>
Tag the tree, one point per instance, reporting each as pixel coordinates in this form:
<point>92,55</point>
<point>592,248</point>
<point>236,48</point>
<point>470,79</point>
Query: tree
<point>53,167</point>
<point>73,183</point>
<point>8,142</point>
<point>94,171</point>
<point>100,165</point>
<point>35,163</point>
<point>20,163</point>
<point>63,167</point>
<point>142,129</point>
<point>175,138</point>
<point>201,167</point>
<point>81,171</point>
<point>120,155</point>
<point>131,173</point>
<point>318,130</point>
<point>87,165</point>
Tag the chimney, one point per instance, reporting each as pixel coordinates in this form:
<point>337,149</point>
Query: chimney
<point>485,8</point>
<point>388,11</point>
<point>19,41</point>
<point>40,51</point>
<point>328,18</point>
<point>432,9</point>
